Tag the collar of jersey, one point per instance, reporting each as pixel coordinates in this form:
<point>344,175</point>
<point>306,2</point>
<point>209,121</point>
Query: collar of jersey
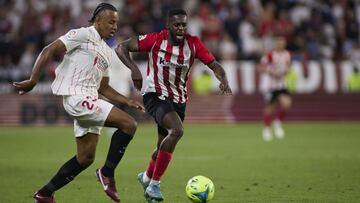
<point>97,35</point>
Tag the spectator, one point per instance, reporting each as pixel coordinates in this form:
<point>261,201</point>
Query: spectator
<point>251,26</point>
<point>354,81</point>
<point>202,83</point>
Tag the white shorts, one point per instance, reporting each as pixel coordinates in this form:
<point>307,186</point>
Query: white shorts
<point>89,113</point>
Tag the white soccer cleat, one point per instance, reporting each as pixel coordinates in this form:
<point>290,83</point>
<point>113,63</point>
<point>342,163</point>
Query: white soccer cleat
<point>266,134</point>
<point>278,130</point>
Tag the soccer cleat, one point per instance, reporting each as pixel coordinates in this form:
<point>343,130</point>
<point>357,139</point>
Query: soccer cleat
<point>266,134</point>
<point>278,130</point>
<point>38,198</point>
<point>108,185</point>
<point>149,200</point>
<point>152,193</point>
<point>140,179</point>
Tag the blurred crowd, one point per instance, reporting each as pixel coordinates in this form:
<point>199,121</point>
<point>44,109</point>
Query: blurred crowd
<point>231,29</point>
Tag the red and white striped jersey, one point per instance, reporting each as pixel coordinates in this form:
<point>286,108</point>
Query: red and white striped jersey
<point>279,60</point>
<point>87,60</point>
<point>168,65</point>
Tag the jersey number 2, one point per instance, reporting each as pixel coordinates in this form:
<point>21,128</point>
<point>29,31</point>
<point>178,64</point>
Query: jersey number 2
<point>87,104</point>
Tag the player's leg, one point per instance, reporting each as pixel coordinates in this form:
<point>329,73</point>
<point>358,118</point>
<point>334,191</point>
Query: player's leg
<point>267,120</point>
<point>284,104</point>
<point>126,127</point>
<point>86,148</point>
<point>145,177</point>
<point>173,123</point>
<point>270,105</point>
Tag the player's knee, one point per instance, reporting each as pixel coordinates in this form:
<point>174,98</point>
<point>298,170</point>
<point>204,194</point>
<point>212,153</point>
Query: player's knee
<point>286,105</point>
<point>87,159</point>
<point>130,127</point>
<point>177,132</point>
<point>154,155</point>
<point>269,110</point>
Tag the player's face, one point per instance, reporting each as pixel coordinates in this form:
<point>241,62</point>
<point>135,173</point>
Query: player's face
<point>177,25</point>
<point>107,23</point>
<point>280,43</point>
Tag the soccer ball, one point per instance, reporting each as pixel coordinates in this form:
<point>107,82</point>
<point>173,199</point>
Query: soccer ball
<point>200,189</point>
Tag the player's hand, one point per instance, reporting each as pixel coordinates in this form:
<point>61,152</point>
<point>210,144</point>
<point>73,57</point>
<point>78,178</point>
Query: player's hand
<point>24,86</point>
<point>225,89</point>
<point>137,79</point>
<point>136,105</point>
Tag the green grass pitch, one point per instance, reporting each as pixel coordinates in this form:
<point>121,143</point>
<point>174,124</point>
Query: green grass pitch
<point>316,162</point>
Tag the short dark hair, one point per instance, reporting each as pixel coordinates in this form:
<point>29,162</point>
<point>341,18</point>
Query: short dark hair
<point>99,8</point>
<point>176,11</point>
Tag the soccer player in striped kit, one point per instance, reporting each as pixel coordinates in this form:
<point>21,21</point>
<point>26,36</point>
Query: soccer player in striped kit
<point>171,53</point>
<point>80,78</point>
<point>276,64</point>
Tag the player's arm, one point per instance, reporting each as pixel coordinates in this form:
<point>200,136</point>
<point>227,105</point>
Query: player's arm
<point>265,64</point>
<point>107,91</point>
<point>122,51</point>
<point>221,76</point>
<point>204,55</point>
<point>56,47</point>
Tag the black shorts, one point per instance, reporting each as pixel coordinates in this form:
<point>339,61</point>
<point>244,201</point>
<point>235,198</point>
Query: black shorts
<point>158,105</point>
<point>273,95</point>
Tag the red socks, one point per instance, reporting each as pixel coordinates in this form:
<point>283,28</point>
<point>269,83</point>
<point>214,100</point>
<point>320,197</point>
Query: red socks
<point>281,114</point>
<point>150,169</point>
<point>267,119</point>
<point>162,161</point>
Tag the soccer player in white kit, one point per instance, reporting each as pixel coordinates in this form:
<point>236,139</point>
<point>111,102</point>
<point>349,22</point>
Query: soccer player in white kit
<point>276,64</point>
<point>80,78</point>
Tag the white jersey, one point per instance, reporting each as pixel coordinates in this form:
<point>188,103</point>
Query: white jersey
<point>87,60</point>
<point>279,61</point>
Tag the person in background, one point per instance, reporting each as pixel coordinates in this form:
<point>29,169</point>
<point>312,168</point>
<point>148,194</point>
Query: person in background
<point>276,64</point>
<point>202,83</point>
<point>354,81</point>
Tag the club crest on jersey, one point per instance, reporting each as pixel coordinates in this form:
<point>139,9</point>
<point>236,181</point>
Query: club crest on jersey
<point>141,37</point>
<point>71,34</point>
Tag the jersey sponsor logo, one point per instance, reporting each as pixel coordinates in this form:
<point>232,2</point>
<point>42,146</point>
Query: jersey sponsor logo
<point>163,62</point>
<point>101,63</point>
<point>141,37</point>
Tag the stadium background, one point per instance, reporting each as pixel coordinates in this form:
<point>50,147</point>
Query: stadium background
<point>316,162</point>
<point>323,37</point>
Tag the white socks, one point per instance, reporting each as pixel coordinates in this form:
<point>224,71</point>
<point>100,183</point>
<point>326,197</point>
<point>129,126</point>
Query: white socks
<point>266,134</point>
<point>145,178</point>
<point>154,182</point>
<point>278,130</point>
